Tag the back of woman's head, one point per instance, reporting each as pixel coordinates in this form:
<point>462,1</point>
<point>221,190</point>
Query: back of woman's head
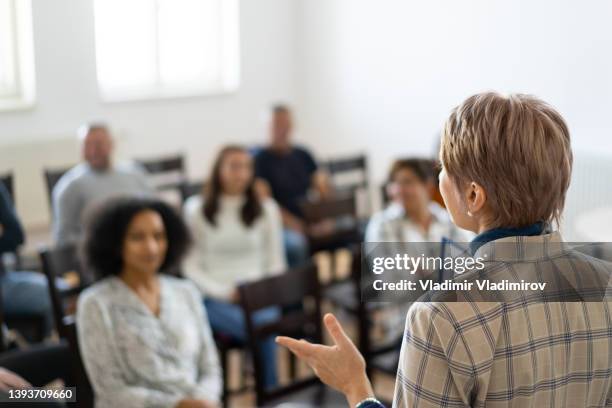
<point>106,226</point>
<point>517,148</point>
<point>251,208</point>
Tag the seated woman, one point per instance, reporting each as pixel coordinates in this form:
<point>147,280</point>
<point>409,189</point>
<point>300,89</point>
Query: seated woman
<point>143,335</point>
<point>412,216</point>
<point>238,238</point>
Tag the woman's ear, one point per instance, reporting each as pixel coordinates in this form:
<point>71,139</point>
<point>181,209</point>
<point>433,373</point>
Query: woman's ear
<point>475,198</point>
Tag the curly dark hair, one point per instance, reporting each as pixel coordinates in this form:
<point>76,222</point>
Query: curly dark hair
<point>107,224</point>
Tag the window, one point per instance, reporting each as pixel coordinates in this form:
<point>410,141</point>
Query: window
<point>166,48</point>
<point>16,55</point>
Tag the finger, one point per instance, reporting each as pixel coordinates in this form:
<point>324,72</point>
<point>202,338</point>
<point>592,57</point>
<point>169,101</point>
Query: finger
<point>14,381</point>
<point>335,330</point>
<point>301,348</point>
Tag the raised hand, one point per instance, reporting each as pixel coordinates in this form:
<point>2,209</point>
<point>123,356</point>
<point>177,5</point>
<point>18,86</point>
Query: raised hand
<point>340,366</point>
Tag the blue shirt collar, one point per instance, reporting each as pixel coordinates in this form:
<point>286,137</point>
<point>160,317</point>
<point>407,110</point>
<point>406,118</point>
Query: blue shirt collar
<point>498,233</point>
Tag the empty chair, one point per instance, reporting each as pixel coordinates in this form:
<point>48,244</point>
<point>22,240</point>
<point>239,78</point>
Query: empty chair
<point>352,174</point>
<point>52,176</point>
<point>166,173</point>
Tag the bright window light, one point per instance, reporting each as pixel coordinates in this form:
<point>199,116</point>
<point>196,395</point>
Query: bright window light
<point>148,49</point>
<point>16,55</point>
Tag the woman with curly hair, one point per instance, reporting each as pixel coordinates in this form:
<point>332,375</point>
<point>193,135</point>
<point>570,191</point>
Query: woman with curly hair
<point>144,336</point>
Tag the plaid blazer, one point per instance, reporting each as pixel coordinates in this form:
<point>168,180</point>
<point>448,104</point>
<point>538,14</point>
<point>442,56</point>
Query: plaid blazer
<point>519,353</point>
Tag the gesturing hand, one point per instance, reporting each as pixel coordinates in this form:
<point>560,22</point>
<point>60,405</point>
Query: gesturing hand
<point>9,380</point>
<point>340,366</point>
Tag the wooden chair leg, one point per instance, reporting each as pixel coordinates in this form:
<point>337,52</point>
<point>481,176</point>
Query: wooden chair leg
<point>292,367</point>
<point>225,368</point>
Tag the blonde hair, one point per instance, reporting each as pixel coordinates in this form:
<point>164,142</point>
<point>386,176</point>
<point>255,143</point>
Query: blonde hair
<point>517,148</point>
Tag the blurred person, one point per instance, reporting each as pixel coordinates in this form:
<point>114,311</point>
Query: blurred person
<point>23,293</point>
<point>291,172</point>
<point>506,167</point>
<point>412,215</point>
<point>143,335</point>
<point>237,239</point>
<point>96,179</point>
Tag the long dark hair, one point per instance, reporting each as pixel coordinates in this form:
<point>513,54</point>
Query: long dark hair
<point>213,190</point>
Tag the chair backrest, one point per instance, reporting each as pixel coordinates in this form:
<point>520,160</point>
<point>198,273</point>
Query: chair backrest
<point>52,176</point>
<point>352,174</point>
<point>340,167</point>
<point>339,205</point>
<point>84,390</point>
<point>297,286</point>
<point>342,208</point>
<point>63,262</point>
<point>163,164</point>
<point>3,328</point>
<point>7,180</point>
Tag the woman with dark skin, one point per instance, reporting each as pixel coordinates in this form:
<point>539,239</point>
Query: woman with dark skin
<point>144,336</point>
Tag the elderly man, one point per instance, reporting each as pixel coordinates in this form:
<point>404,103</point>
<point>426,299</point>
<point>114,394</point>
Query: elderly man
<point>97,178</point>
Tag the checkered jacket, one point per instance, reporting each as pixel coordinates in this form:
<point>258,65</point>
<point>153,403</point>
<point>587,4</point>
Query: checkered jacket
<point>519,353</point>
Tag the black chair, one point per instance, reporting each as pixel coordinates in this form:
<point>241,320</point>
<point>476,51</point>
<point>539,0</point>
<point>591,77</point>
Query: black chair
<point>351,174</point>
<point>63,262</point>
<point>52,176</point>
<point>380,356</point>
<point>7,180</point>
<point>58,262</point>
<point>342,209</point>
<point>225,345</point>
<point>166,173</point>
<point>191,188</point>
<point>342,166</point>
<point>297,286</point>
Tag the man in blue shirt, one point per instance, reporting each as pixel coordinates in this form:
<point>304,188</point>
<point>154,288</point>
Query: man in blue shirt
<point>290,172</point>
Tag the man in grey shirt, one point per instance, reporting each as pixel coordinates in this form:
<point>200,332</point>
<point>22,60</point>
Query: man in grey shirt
<point>94,180</point>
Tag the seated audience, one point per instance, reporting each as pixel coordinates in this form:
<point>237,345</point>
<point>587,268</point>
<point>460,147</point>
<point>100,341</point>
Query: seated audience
<point>412,216</point>
<point>96,179</point>
<point>290,171</point>
<point>143,335</point>
<point>238,238</point>
<point>506,169</point>
<point>24,294</point>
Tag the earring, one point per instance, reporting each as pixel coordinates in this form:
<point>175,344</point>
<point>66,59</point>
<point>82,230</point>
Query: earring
<point>469,213</point>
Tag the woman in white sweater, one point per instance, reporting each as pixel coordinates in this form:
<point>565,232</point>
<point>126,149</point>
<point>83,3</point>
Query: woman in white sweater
<point>237,238</point>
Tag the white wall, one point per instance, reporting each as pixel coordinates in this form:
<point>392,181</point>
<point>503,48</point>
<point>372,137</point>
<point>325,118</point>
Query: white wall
<point>376,76</point>
<point>381,75</point>
<point>67,96</point>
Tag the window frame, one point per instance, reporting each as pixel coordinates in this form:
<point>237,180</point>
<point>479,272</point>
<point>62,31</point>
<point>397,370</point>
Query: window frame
<point>230,82</point>
<point>24,94</point>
